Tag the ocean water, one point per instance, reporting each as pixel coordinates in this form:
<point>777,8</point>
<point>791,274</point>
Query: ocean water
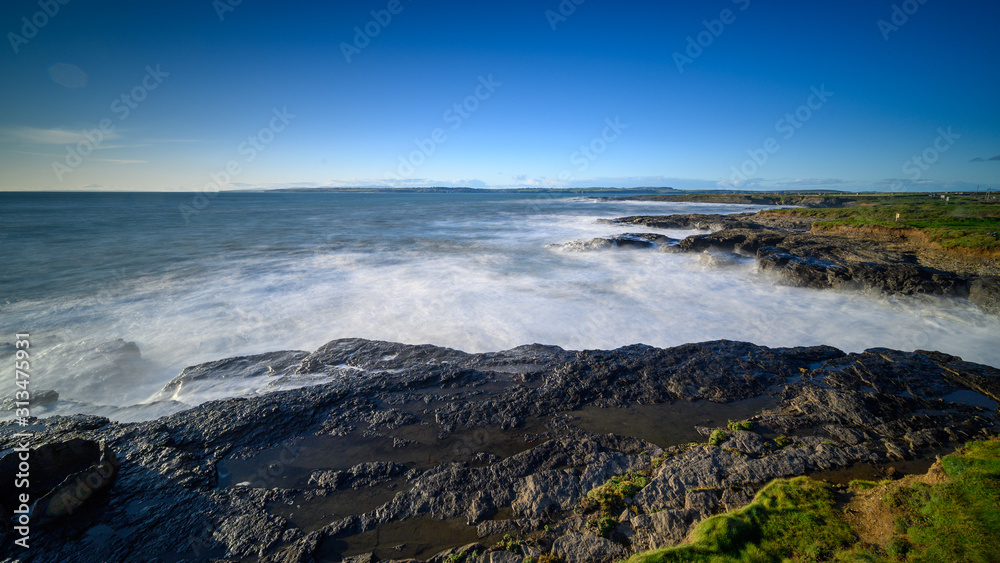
<point>120,292</point>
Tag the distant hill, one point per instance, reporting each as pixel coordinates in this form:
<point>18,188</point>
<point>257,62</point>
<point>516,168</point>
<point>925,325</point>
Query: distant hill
<point>374,189</point>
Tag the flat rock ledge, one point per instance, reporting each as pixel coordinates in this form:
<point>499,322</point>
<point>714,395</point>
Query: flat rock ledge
<point>484,445</point>
<point>788,248</point>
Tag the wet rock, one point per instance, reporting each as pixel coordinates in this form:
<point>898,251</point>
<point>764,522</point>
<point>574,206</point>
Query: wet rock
<point>626,240</point>
<point>785,247</point>
<point>495,527</point>
<point>104,371</point>
<point>662,528</point>
<point>843,263</point>
<point>587,548</point>
<point>62,477</point>
<point>840,408</point>
<point>202,378</point>
<point>443,556</point>
<point>701,222</point>
<point>500,557</point>
<point>985,292</point>
<point>361,475</point>
<point>38,399</point>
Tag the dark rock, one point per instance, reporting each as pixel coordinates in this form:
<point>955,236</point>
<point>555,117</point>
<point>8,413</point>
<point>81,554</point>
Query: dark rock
<point>626,240</point>
<point>587,548</point>
<point>784,246</point>
<point>361,475</point>
<point>500,557</point>
<point>202,377</point>
<point>443,556</point>
<point>38,399</point>
<point>494,527</point>
<point>104,371</point>
<point>985,292</point>
<point>484,437</point>
<point>63,477</point>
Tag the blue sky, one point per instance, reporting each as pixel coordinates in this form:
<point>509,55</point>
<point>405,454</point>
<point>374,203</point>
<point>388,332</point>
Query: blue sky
<point>203,95</point>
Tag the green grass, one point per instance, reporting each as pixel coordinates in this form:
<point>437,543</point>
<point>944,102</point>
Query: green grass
<point>717,437</point>
<point>965,221</point>
<point>797,520</point>
<point>740,425</point>
<point>610,496</point>
<point>788,519</point>
<point>959,520</point>
<point>606,501</point>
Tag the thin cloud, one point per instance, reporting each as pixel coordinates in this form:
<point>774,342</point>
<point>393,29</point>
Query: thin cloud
<point>980,159</point>
<point>809,182</point>
<point>175,141</point>
<point>54,136</point>
<point>89,159</point>
<point>118,160</point>
<point>924,185</point>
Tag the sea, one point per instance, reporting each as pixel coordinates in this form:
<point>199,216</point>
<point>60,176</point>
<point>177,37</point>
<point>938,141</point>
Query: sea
<point>119,292</point>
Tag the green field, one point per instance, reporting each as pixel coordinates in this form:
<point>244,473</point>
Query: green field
<point>799,520</point>
<point>960,221</point>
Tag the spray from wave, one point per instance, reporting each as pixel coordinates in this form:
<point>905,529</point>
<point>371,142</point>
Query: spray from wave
<point>472,274</point>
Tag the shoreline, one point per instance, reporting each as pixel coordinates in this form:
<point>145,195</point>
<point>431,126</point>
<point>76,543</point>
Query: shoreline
<point>851,253</point>
<point>453,445</point>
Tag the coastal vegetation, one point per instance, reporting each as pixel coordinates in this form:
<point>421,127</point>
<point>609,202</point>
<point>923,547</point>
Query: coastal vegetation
<point>968,220</point>
<point>953,221</point>
<point>605,502</point>
<point>953,518</point>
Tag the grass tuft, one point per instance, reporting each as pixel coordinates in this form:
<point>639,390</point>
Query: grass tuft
<point>717,437</point>
<point>797,520</point>
<point>739,425</point>
<point>788,519</point>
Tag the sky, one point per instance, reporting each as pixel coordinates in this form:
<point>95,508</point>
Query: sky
<point>213,95</point>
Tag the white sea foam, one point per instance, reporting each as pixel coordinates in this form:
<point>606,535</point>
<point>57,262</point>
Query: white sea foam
<point>481,283</point>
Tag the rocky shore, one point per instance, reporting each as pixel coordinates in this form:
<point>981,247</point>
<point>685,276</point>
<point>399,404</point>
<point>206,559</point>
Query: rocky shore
<point>434,454</point>
<point>795,251</point>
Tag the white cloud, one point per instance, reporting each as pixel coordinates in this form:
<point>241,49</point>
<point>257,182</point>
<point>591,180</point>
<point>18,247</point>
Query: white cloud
<point>54,136</point>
